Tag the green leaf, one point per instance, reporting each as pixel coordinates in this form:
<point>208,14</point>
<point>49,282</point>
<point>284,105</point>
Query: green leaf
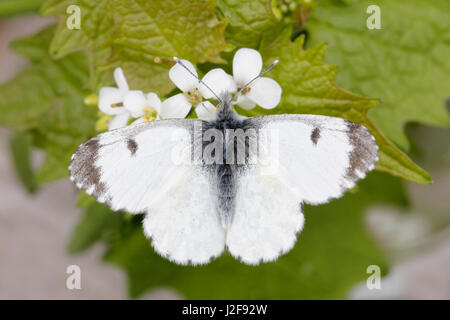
<point>26,97</point>
<point>150,33</point>
<point>21,147</point>
<point>331,255</point>
<point>13,7</point>
<point>309,87</point>
<point>63,128</point>
<point>405,63</point>
<point>248,21</point>
<point>35,47</point>
<point>97,223</point>
<point>96,28</point>
<point>84,200</point>
<point>18,107</point>
<point>52,169</point>
<point>46,98</point>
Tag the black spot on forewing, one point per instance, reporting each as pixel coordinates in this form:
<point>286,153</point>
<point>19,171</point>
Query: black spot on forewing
<point>364,154</point>
<point>132,146</point>
<point>315,135</point>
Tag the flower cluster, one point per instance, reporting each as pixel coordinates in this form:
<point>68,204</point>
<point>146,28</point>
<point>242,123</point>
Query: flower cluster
<point>124,105</point>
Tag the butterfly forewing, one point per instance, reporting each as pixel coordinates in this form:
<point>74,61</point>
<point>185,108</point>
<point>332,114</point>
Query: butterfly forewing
<point>130,168</point>
<point>319,157</point>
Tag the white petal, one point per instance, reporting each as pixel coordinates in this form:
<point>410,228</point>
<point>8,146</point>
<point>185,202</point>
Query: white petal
<point>182,78</point>
<point>245,103</point>
<point>120,79</point>
<point>154,101</point>
<point>265,92</point>
<point>218,81</point>
<point>134,102</point>
<point>206,111</point>
<point>119,121</point>
<point>108,96</point>
<point>176,106</point>
<point>247,64</point>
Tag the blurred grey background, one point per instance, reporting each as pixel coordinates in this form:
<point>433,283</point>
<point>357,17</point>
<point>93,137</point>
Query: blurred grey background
<point>34,230</point>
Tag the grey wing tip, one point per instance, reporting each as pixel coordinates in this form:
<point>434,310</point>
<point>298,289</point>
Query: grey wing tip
<point>83,171</point>
<point>365,152</point>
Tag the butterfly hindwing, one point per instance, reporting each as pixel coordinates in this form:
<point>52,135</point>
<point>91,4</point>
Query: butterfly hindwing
<point>267,218</point>
<point>184,225</point>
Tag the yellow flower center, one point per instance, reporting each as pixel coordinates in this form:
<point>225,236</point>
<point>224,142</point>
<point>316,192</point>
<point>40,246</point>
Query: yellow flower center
<point>194,96</point>
<point>149,114</point>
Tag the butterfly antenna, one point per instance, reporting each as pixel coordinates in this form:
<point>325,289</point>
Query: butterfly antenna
<point>195,76</point>
<point>273,64</point>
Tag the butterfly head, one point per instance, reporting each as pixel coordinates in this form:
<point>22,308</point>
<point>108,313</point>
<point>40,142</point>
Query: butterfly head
<point>226,99</point>
<point>225,107</point>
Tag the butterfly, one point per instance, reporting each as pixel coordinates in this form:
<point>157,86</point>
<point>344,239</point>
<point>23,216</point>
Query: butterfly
<point>203,192</point>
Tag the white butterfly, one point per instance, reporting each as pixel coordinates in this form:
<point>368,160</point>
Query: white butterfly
<point>196,209</point>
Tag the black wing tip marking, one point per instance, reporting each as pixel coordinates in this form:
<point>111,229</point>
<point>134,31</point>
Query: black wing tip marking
<point>364,154</point>
<point>83,171</point>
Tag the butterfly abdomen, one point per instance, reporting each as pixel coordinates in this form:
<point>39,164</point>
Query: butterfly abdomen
<point>224,172</point>
<point>225,192</point>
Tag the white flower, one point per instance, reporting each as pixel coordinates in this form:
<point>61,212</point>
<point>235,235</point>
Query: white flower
<point>247,65</point>
<point>119,102</point>
<point>265,92</point>
<point>145,107</point>
<point>219,82</point>
<point>125,104</point>
<point>149,107</point>
<point>187,83</point>
<point>194,92</point>
<point>110,101</point>
<point>247,88</point>
<point>155,110</point>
